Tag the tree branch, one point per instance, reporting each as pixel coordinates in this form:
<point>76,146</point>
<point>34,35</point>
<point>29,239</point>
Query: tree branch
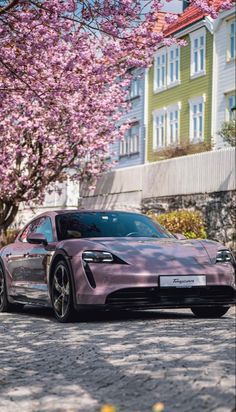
<point>9,6</point>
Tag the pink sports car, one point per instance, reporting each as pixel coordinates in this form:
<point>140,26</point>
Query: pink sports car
<point>77,259</point>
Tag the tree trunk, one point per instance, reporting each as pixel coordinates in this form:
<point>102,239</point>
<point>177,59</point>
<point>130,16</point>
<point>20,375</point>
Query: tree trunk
<point>8,211</point>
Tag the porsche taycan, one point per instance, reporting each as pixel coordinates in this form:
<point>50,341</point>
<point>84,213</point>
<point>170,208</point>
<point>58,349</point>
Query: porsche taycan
<point>77,259</point>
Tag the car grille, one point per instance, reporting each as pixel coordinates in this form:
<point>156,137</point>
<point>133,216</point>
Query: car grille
<point>156,297</point>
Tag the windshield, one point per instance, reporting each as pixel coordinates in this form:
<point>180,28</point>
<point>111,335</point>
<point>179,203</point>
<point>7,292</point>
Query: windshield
<point>107,224</point>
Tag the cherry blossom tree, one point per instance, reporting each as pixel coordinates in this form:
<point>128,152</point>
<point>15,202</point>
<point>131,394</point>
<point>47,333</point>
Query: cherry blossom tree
<point>64,72</point>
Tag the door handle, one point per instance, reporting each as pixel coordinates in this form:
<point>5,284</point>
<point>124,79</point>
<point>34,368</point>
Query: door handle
<point>26,255</point>
<point>8,254</point>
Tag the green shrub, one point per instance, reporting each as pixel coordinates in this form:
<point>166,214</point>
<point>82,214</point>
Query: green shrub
<point>190,224</point>
<point>228,132</point>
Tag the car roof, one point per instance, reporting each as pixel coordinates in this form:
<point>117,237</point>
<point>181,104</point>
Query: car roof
<point>67,211</point>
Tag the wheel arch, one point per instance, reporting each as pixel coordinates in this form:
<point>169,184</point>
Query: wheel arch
<point>4,273</point>
<point>62,255</point>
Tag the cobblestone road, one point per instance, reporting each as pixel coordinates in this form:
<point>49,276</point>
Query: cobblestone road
<point>129,360</point>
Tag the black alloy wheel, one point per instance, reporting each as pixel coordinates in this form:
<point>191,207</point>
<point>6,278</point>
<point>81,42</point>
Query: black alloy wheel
<point>3,295</point>
<point>61,293</point>
<point>210,311</point>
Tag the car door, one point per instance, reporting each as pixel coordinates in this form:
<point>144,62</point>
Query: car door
<point>28,264</point>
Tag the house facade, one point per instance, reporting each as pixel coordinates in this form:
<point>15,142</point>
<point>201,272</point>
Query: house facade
<point>130,151</point>
<point>224,73</point>
<point>180,88</point>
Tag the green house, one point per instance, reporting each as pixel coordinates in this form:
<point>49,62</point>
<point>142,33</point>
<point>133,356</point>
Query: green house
<point>179,90</point>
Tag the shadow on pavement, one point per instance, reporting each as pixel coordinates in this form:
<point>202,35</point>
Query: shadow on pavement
<point>131,359</point>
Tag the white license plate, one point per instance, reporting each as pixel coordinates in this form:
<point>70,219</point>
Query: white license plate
<point>182,281</point>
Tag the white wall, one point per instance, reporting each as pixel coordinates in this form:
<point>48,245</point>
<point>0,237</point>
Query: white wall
<point>199,173</point>
<point>63,196</point>
<point>223,76</point>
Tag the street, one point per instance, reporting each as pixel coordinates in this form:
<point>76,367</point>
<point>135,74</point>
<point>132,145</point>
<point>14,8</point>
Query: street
<point>131,360</point>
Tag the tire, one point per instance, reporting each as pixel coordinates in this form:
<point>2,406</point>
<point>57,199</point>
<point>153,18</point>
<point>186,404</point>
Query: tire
<point>61,293</point>
<point>210,311</point>
<point>5,306</point>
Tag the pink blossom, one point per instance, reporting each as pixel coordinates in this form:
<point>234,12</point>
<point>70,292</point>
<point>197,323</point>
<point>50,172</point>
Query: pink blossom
<point>171,18</point>
<point>64,71</point>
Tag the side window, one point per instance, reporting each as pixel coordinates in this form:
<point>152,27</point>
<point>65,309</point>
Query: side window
<point>42,225</point>
<point>26,232</point>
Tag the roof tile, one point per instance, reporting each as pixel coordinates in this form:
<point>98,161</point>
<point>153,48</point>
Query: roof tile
<point>190,15</point>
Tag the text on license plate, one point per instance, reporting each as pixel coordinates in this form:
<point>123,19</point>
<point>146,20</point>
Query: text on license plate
<point>182,281</point>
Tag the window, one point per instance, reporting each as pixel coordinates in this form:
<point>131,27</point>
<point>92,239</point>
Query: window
<point>107,224</point>
<point>167,68</point>
<point>158,129</point>
<point>173,124</point>
<point>197,120</point>
<point>166,125</point>
<point>134,139</point>
<point>231,40</point>
<point>198,49</point>
<point>230,104</point>
<point>130,144</point>
<point>134,88</point>
<point>173,65</point>
<point>124,146</point>
<point>42,225</point>
<point>160,70</point>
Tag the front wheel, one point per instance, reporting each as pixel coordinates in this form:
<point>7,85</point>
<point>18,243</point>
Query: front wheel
<point>61,293</point>
<point>210,311</point>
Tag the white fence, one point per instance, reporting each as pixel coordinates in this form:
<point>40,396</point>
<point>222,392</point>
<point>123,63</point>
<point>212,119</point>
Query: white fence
<point>199,173</point>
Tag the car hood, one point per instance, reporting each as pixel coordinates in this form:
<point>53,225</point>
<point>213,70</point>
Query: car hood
<point>147,253</point>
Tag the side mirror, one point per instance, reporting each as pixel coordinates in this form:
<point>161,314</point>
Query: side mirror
<point>37,238</point>
<point>179,236</point>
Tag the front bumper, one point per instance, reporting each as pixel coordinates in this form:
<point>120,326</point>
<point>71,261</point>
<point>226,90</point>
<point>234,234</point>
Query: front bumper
<point>126,286</point>
<point>171,297</point>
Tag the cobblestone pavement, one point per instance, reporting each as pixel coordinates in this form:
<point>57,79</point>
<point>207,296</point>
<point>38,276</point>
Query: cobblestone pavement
<point>131,360</point>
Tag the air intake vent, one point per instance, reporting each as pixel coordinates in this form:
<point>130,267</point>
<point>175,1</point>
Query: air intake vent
<point>89,275</point>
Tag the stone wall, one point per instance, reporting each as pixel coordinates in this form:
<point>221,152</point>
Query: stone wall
<point>218,210</point>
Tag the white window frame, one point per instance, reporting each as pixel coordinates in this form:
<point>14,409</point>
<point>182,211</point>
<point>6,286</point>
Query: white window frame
<point>130,144</point>
<point>228,112</point>
<point>231,57</point>
<point>124,146</point>
<point>176,60</point>
<point>134,139</point>
<point>173,109</point>
<point>160,53</point>
<point>195,102</point>
<point>134,88</point>
<point>193,37</point>
<point>156,115</point>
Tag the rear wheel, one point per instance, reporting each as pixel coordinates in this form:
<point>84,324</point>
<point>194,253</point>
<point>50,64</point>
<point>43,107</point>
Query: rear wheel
<point>61,293</point>
<point>5,306</point>
<point>210,311</point>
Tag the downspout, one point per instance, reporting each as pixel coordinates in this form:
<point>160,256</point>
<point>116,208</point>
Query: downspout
<point>146,116</point>
<point>214,91</point>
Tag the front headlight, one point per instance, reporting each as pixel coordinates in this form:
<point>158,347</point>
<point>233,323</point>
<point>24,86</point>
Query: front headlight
<point>94,256</point>
<point>224,256</point>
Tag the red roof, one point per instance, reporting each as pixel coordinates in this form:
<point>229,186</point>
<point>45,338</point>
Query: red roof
<point>161,23</point>
<point>190,15</point>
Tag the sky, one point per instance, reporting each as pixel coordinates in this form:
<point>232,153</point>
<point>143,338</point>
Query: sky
<point>174,6</point>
